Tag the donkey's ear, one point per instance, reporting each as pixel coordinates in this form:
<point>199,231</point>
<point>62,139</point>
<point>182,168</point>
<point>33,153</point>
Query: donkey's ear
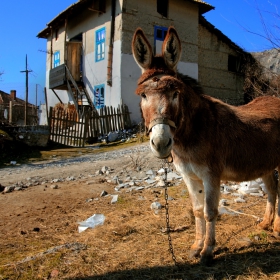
<point>171,48</point>
<point>141,49</point>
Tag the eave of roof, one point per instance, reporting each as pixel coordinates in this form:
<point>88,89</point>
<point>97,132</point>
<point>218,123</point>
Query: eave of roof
<point>60,18</point>
<point>6,97</point>
<point>203,6</point>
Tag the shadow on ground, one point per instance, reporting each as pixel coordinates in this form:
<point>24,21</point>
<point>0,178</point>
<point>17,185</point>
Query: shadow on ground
<point>257,265</point>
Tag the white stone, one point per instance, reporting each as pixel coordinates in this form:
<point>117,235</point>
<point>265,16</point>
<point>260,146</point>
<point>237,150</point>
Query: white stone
<point>150,172</point>
<point>156,205</point>
<point>114,198</point>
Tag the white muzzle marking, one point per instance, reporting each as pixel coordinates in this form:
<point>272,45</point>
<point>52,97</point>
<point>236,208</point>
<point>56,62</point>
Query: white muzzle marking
<point>161,140</point>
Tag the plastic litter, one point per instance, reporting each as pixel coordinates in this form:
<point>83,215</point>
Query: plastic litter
<point>91,222</point>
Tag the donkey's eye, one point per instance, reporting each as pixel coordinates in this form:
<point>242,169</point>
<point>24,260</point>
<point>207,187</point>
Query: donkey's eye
<point>175,95</point>
<point>143,95</point>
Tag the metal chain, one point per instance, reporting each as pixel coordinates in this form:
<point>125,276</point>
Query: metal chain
<point>167,217</point>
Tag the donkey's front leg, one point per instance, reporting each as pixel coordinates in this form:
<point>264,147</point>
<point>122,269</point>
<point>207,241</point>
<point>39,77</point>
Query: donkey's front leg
<point>196,191</point>
<point>212,195</point>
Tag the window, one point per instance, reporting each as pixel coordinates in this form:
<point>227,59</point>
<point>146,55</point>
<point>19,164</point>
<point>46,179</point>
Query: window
<point>159,36</point>
<point>234,64</point>
<point>56,59</point>
<point>99,96</point>
<point>162,7</point>
<point>100,44</point>
<point>56,34</point>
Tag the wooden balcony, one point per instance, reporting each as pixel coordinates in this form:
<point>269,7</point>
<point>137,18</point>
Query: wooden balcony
<point>57,78</point>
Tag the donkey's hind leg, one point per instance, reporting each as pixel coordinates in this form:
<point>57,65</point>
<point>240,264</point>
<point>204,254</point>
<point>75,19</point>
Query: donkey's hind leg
<point>270,182</point>
<point>276,228</point>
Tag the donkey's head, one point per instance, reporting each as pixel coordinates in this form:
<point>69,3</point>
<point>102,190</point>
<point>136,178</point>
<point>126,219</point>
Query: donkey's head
<point>159,89</point>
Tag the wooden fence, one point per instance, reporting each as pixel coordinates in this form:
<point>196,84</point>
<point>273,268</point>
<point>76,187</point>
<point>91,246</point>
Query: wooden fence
<point>72,129</point>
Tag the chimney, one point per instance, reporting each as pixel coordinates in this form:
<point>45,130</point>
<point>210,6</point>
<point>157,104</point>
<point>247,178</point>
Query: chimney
<point>13,94</point>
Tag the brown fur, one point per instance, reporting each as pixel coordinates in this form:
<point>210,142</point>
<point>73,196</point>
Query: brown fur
<point>212,141</point>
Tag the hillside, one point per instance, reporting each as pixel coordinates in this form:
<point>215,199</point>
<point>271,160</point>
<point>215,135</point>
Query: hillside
<point>270,59</point>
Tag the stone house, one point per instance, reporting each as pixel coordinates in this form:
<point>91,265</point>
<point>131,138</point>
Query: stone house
<point>89,61</point>
<point>12,109</point>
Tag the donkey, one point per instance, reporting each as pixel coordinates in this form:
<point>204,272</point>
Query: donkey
<point>208,140</point>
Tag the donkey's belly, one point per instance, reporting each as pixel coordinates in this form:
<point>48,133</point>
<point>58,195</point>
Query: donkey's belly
<point>243,175</point>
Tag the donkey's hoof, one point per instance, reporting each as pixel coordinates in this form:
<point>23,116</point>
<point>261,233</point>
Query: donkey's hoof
<point>194,253</point>
<point>263,225</point>
<point>206,260</point>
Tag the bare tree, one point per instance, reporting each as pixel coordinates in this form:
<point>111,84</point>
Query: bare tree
<point>260,80</point>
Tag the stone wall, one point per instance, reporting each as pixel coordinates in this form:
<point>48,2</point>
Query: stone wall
<point>214,75</point>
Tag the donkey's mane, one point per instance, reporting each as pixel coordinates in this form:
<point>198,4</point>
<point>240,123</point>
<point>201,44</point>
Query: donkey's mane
<point>191,82</point>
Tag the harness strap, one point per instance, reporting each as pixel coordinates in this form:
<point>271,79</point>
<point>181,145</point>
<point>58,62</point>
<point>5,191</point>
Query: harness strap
<point>161,121</point>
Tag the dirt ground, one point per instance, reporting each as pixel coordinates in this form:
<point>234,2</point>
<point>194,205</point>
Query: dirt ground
<point>39,236</point>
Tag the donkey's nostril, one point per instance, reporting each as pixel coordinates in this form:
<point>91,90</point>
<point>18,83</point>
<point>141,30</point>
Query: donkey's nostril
<point>169,142</point>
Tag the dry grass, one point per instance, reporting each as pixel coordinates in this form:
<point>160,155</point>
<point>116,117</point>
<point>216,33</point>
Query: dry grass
<point>132,244</point>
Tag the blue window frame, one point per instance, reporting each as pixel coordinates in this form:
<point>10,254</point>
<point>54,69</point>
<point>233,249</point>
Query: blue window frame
<point>56,59</point>
<point>99,96</point>
<point>100,36</point>
<point>159,36</point>
<point>160,33</point>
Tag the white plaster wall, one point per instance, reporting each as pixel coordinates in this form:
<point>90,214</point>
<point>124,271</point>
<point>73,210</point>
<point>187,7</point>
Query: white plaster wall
<point>96,74</point>
<point>130,72</point>
<point>43,115</point>
<point>188,68</point>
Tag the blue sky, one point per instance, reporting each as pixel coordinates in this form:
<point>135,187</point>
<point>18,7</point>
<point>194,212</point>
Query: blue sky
<point>21,21</point>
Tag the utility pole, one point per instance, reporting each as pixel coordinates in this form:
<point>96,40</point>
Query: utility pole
<point>26,91</point>
<point>36,95</point>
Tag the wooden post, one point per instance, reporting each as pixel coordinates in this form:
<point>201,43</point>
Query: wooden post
<point>47,109</point>
<point>11,112</point>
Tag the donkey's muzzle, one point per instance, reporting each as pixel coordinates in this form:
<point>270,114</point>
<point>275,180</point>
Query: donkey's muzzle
<point>161,140</point>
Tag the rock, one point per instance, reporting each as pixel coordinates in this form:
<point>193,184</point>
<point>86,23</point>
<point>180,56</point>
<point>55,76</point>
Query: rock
<point>224,210</point>
<point>98,172</point>
<point>173,176</point>
<point>103,193</point>
<point>149,181</point>
<point>121,186</point>
<point>112,136</point>
<point>156,205</point>
<point>104,169</point>
<point>8,189</point>
<point>257,194</point>
<point>161,171</point>
<point>160,183</point>
<point>150,172</point>
<point>90,182</point>
<point>223,202</point>
<point>114,199</point>
<point>239,200</point>
<point>115,180</point>
<point>54,187</point>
